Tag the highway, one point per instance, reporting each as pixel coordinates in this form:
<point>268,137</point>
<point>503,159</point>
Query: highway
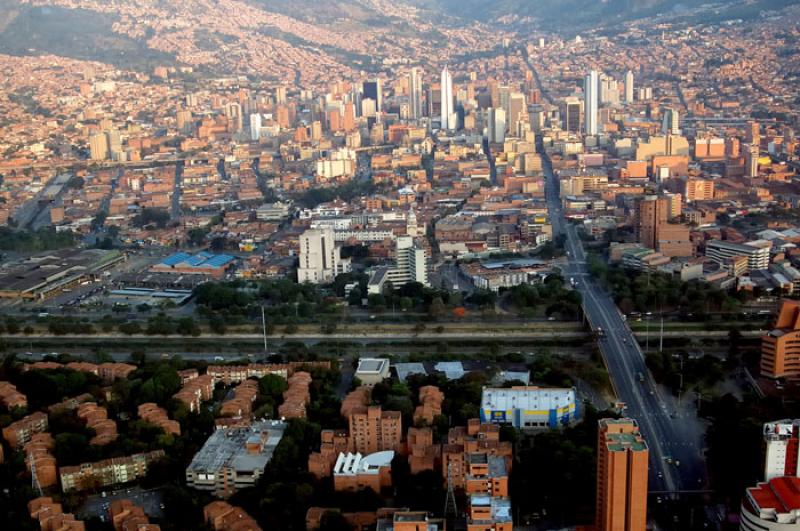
<point>673,432</point>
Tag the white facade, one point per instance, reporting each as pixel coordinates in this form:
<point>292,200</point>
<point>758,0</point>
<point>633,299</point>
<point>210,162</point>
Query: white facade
<point>590,98</point>
<point>777,438</point>
<point>448,113</point>
<point>319,257</point>
<point>255,126</point>
<point>628,87</point>
<point>497,125</point>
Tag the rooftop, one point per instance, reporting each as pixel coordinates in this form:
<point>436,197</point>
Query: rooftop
<point>226,448</point>
<point>529,398</point>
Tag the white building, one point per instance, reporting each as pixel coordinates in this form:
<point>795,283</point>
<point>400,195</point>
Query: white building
<point>757,252</point>
<point>372,370</point>
<point>782,448</point>
<point>411,265</point>
<point>628,87</point>
<point>448,122</point>
<point>529,407</point>
<point>590,98</point>
<point>772,506</point>
<point>320,259</point>
<point>255,126</point>
<point>496,132</point>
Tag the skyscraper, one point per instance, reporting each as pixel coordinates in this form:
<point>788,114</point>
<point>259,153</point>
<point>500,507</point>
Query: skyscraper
<point>751,161</point>
<point>571,114</point>
<point>622,457</point>
<point>448,114</point>
<point>415,94</point>
<point>496,130</point>
<point>373,91</point>
<point>628,87</point>
<point>255,126</point>
<point>590,87</point>
<point>670,125</point>
<point>98,146</point>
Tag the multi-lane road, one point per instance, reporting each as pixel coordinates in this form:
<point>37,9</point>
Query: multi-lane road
<point>673,432</point>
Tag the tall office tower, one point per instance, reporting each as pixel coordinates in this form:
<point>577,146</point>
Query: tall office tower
<point>628,87</point>
<point>670,125</point>
<point>780,348</point>
<point>651,213</point>
<point>782,442</point>
<point>319,256</point>
<point>184,119</point>
<point>609,92</point>
<point>590,85</point>
<point>373,91</point>
<point>349,116</point>
<point>98,146</point>
<point>571,114</point>
<point>448,113</point>
<point>233,111</point>
<point>751,161</point>
<point>415,94</point>
<point>621,476</point>
<point>316,130</point>
<point>496,129</point>
<point>752,133</point>
<point>280,95</point>
<point>255,127</point>
<point>114,142</point>
<point>517,110</point>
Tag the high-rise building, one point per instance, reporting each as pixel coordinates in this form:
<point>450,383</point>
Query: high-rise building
<point>780,348</point>
<point>496,127</point>
<point>571,114</point>
<point>184,121</point>
<point>414,94</point>
<point>517,111</point>
<point>782,445</point>
<point>670,125</point>
<point>374,430</point>
<point>622,457</point>
<point>651,211</point>
<point>319,257</point>
<point>590,98</point>
<point>373,91</point>
<point>772,506</point>
<point>98,146</point>
<point>751,161</point>
<point>255,127</point>
<point>654,230</point>
<point>448,119</point>
<point>628,87</point>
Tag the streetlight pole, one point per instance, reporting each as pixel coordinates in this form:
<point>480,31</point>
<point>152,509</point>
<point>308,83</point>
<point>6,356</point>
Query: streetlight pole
<point>264,330</point>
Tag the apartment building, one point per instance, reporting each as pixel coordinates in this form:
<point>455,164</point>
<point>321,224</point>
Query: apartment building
<point>108,471</point>
<point>780,348</point>
<point>374,430</point>
<point>20,432</point>
<point>127,516</point>
<point>51,516</point>
<point>10,397</point>
<point>782,448</point>
<point>222,516</point>
<point>621,476</point>
<point>152,413</point>
<point>320,257</point>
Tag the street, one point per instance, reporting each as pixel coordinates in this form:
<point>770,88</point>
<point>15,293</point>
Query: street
<point>674,434</point>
